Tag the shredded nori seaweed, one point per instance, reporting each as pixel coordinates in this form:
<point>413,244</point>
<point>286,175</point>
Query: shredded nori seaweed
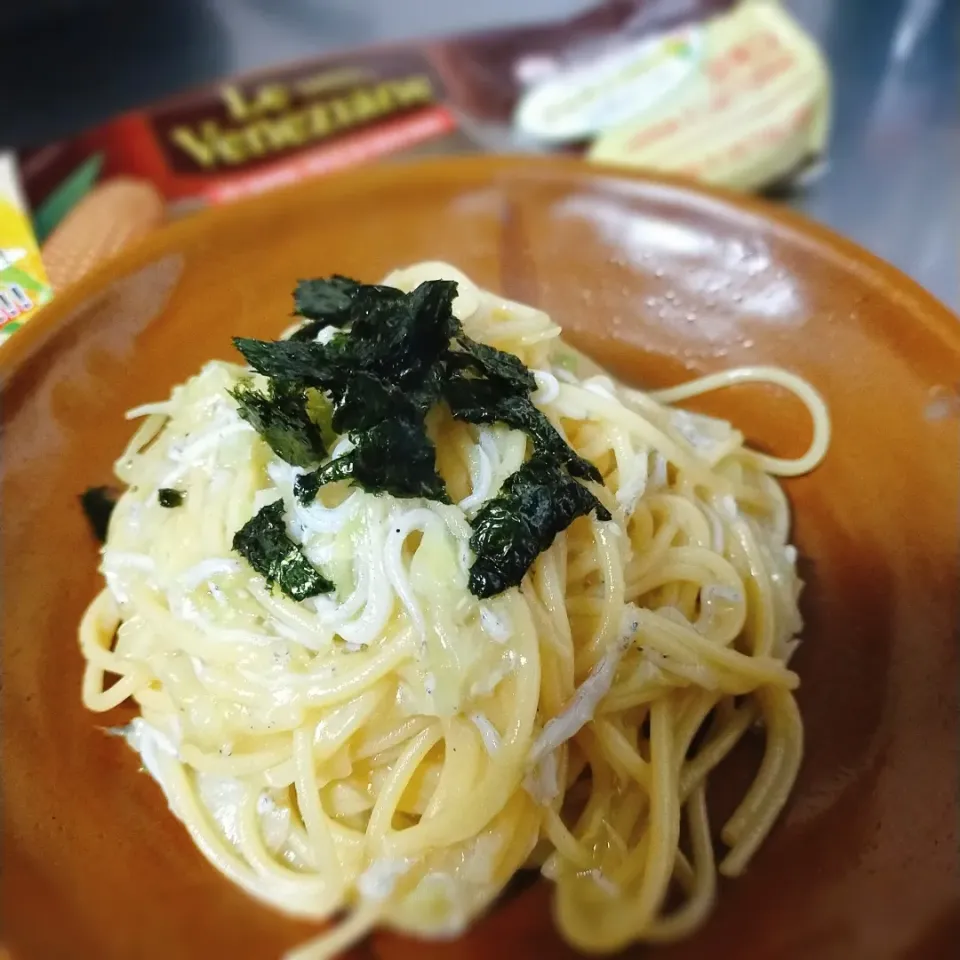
<point>394,456</point>
<point>264,543</point>
<point>168,497</point>
<point>504,369</point>
<point>511,530</point>
<point>393,357</point>
<point>280,416</point>
<point>98,504</point>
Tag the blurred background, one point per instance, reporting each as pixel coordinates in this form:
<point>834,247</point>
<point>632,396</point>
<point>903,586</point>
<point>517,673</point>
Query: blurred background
<point>890,178</point>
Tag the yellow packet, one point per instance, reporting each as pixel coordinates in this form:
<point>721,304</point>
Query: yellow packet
<point>23,281</point>
<point>740,100</point>
<point>753,109</point>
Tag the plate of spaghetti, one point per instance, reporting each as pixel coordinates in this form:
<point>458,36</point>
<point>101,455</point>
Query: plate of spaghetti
<point>482,555</point>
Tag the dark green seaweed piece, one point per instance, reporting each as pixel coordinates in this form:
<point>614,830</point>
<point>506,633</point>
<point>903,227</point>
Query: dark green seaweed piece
<point>429,388</point>
<point>366,400</point>
<point>505,369</point>
<point>169,497</point>
<point>281,418</point>
<point>400,340</point>
<point>98,504</point>
<point>312,364</point>
<point>395,356</point>
<point>510,531</point>
<point>325,298</point>
<point>334,302</point>
<point>483,401</point>
<point>264,543</point>
<point>395,456</point>
<point>369,296</point>
<point>397,338</point>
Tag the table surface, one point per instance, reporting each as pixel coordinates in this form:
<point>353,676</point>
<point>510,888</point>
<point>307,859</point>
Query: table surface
<point>892,175</point>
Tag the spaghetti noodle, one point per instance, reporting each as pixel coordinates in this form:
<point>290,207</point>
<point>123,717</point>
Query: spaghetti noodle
<point>397,750</point>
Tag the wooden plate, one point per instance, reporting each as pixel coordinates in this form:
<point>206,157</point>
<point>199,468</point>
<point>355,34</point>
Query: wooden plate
<point>649,276</point>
